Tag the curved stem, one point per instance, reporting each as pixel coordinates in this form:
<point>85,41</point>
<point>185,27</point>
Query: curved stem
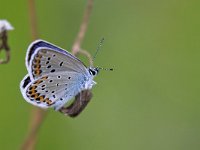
<point>38,114</point>
<point>83,28</point>
<point>84,97</point>
<point>37,117</point>
<point>88,55</point>
<point>33,19</point>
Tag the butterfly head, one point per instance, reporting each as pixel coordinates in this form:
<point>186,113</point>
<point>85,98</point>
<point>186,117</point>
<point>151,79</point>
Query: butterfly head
<point>93,71</point>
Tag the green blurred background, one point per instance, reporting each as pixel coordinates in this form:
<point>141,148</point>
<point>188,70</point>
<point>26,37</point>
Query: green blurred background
<point>151,99</point>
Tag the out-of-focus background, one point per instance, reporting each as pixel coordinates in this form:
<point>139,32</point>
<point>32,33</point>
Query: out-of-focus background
<point>150,101</point>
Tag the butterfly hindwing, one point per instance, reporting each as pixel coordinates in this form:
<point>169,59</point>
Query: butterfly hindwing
<point>53,90</point>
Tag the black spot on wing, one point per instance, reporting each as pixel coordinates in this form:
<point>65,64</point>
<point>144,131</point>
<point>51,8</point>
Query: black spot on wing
<point>26,82</point>
<point>39,44</point>
<point>61,63</point>
<point>53,70</point>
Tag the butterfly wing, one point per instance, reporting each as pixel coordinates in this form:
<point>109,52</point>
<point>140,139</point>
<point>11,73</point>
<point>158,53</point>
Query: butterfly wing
<point>54,90</point>
<point>54,76</point>
<point>44,58</point>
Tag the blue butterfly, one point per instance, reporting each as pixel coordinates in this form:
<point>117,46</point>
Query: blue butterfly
<point>54,76</point>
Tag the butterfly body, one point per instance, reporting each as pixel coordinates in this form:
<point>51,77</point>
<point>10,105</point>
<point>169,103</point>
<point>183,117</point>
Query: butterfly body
<point>54,76</point>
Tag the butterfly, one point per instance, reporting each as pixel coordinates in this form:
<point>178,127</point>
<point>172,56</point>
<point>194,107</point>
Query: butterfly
<point>54,76</point>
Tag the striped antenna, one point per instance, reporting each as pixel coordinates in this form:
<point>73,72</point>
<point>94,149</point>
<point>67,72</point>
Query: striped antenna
<point>107,69</point>
<point>98,48</point>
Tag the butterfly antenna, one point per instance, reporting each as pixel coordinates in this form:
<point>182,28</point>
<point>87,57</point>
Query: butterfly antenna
<point>107,69</point>
<point>98,48</point>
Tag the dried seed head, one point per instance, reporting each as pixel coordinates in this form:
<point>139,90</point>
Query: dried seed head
<point>5,25</point>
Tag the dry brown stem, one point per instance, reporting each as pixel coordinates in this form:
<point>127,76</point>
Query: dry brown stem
<point>4,45</point>
<point>84,97</point>
<point>33,19</point>
<point>79,104</point>
<point>80,36</point>
<point>37,115</point>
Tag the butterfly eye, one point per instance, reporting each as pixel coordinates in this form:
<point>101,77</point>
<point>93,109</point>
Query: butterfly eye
<point>93,72</point>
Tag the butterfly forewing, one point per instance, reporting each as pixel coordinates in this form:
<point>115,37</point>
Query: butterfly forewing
<point>46,60</point>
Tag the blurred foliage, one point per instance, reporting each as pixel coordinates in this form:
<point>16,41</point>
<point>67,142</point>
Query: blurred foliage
<point>151,99</point>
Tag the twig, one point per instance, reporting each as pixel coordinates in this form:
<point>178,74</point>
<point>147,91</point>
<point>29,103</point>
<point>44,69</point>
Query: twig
<point>88,55</point>
<point>38,114</point>
<point>33,19</point>
<point>37,117</point>
<point>79,104</point>
<point>4,45</point>
<point>84,97</point>
<point>79,39</point>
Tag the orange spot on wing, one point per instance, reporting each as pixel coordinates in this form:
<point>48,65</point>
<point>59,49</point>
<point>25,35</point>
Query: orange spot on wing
<point>49,102</point>
<point>45,77</point>
<point>37,61</point>
<point>36,95</point>
<point>38,56</point>
<point>42,98</point>
<point>38,82</point>
<point>33,87</point>
<point>37,71</point>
